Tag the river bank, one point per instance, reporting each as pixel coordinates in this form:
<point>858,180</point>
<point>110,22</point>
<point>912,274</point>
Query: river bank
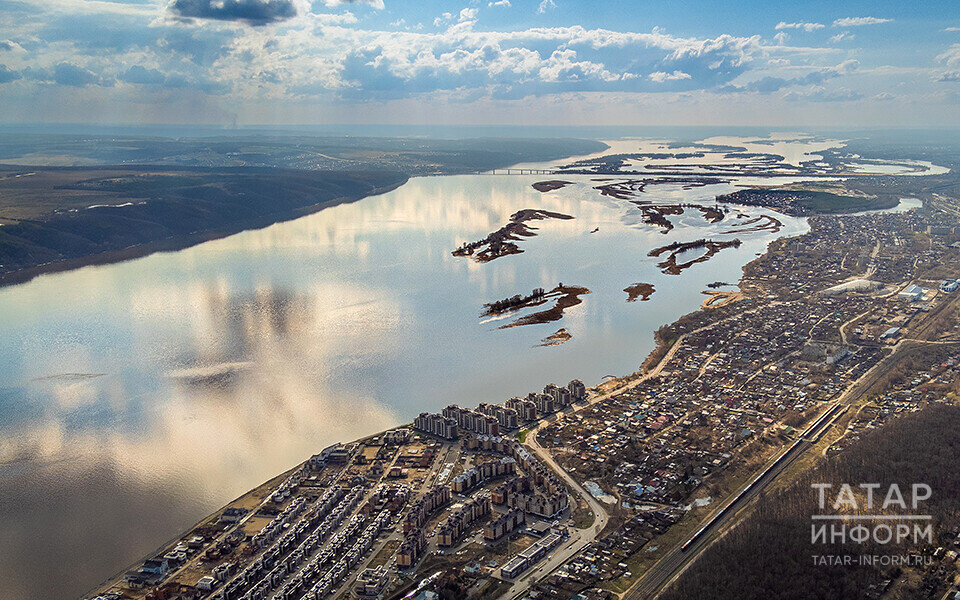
<point>180,242</point>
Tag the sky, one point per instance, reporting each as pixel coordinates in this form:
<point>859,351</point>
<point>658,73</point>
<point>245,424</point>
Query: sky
<point>481,62</point>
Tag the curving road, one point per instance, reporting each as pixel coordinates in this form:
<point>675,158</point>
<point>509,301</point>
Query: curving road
<point>579,538</point>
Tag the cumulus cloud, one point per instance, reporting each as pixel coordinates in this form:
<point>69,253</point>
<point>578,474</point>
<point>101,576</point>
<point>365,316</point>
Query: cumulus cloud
<point>75,76</point>
<point>859,21</point>
<point>770,84</point>
<point>253,12</point>
<point>8,75</point>
<point>843,35</point>
<point>951,57</point>
<point>531,62</point>
<point>884,96</point>
<point>143,76</point>
<point>808,27</point>
<point>466,15</point>
<point>781,38</point>
<point>10,46</point>
<point>377,4</point>
<point>500,3</point>
<point>949,76</point>
<point>661,76</point>
<point>545,4</point>
<point>326,56</point>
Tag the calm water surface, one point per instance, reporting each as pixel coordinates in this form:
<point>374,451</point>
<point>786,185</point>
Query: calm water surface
<point>136,398</point>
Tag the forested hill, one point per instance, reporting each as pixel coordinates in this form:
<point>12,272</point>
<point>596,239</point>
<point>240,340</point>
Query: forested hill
<point>59,218</point>
<point>769,555</point>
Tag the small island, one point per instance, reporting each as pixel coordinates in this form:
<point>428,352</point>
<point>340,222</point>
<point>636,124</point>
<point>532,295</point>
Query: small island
<point>549,186</point>
<point>672,266</point>
<point>754,224</point>
<point>563,296</point>
<point>555,339</point>
<point>643,291</point>
<point>501,242</point>
<point>515,302</point>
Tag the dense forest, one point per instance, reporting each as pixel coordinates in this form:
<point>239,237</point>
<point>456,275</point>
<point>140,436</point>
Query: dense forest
<point>770,554</point>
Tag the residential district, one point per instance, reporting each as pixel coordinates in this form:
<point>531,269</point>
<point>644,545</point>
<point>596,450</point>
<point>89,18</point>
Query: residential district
<point>576,492</point>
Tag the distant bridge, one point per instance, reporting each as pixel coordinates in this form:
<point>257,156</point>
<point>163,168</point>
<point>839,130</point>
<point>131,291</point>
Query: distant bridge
<point>519,172</point>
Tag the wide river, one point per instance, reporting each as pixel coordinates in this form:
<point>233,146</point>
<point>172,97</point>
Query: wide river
<point>138,397</point>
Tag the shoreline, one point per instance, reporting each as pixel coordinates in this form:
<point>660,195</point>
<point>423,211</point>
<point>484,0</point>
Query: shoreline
<point>174,244</point>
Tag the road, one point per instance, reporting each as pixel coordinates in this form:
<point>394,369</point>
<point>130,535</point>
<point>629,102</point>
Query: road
<point>843,328</point>
<point>579,538</point>
<point>676,561</point>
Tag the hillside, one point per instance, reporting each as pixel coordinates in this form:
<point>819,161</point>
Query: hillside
<point>59,218</point>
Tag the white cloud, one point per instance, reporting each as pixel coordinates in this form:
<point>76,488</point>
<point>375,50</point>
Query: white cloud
<point>465,16</point>
<point>377,4</point>
<point>346,18</point>
<point>808,27</point>
<point>884,96</point>
<point>951,29</point>
<point>660,76</point>
<point>843,35</point>
<point>500,3</point>
<point>781,38</point>
<point>544,5</point>
<point>563,64</point>
<point>858,21</point>
<point>951,57</point>
<point>10,46</point>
